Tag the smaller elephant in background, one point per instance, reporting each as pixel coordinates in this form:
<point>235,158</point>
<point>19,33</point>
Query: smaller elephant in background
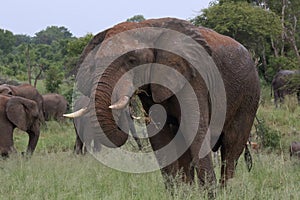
<point>295,149</point>
<point>282,85</point>
<point>84,133</point>
<point>27,91</point>
<point>9,82</point>
<point>21,113</point>
<point>55,105</point>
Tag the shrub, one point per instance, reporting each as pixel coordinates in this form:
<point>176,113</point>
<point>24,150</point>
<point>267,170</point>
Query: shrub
<point>54,78</point>
<point>270,138</point>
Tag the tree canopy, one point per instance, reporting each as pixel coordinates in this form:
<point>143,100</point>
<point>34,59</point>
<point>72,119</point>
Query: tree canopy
<point>268,28</point>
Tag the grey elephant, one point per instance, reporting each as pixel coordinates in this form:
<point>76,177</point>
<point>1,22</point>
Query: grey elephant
<point>148,44</point>
<point>282,85</point>
<point>55,105</point>
<point>26,91</point>
<point>85,134</point>
<point>22,113</point>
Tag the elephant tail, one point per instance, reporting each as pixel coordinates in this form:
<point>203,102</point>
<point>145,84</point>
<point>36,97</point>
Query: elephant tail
<point>248,158</point>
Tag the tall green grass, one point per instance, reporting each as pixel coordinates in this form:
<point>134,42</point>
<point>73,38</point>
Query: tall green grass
<point>66,176</point>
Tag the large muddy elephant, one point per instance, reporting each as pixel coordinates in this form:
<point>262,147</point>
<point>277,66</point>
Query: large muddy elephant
<point>21,113</point>
<point>26,91</point>
<point>282,85</point>
<point>55,105</point>
<point>184,100</point>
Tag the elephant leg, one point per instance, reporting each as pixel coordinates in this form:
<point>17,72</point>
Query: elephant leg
<point>33,139</point>
<point>204,168</point>
<point>276,98</point>
<point>97,146</point>
<point>158,142</point>
<point>78,147</point>
<point>281,94</point>
<point>185,159</point>
<point>233,142</point>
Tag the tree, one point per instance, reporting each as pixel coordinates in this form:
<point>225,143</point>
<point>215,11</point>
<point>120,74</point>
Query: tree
<point>74,50</point>
<point>51,34</point>
<point>54,77</point>
<point>136,18</point>
<point>7,41</point>
<point>21,39</point>
<point>252,26</point>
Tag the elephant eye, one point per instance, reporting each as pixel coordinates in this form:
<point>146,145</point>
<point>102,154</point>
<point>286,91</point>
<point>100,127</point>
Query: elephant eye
<point>132,60</point>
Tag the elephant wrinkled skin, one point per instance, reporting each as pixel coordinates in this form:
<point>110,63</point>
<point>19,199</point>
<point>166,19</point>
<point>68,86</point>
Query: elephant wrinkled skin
<point>234,64</point>
<point>21,113</point>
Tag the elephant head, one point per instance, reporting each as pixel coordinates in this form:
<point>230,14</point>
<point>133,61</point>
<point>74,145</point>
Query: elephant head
<point>21,113</point>
<point>26,91</point>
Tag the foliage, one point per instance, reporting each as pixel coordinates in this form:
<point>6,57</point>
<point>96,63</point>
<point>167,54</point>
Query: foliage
<point>7,41</point>
<point>54,77</point>
<point>52,33</point>
<point>268,28</point>
<point>249,25</point>
<point>136,18</point>
<point>279,63</point>
<point>74,49</point>
<point>270,138</point>
<point>21,39</point>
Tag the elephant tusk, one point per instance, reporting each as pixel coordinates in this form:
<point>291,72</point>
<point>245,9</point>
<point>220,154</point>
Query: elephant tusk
<point>134,117</point>
<point>77,113</point>
<point>122,103</point>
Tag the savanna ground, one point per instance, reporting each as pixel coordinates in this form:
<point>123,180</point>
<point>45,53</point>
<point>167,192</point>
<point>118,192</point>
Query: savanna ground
<point>54,172</point>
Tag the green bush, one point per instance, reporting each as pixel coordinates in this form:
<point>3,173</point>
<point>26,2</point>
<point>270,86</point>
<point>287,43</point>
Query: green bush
<point>54,78</point>
<point>270,138</point>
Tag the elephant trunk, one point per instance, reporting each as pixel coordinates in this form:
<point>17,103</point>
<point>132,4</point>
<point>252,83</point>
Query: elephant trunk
<point>115,137</point>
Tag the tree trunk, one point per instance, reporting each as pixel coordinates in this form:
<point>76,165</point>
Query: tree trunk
<point>38,76</point>
<point>292,38</point>
<point>283,26</point>
<point>276,54</point>
<point>28,64</point>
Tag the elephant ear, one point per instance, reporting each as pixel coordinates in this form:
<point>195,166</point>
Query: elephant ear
<point>179,47</point>
<point>21,112</point>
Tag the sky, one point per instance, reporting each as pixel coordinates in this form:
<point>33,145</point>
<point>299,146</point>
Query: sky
<point>88,16</point>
